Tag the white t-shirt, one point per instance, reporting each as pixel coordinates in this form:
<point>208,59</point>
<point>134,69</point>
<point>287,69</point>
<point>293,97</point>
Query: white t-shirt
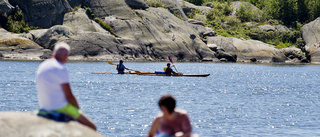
<point>50,75</point>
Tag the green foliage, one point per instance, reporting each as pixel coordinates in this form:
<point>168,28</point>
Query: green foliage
<point>244,14</point>
<point>284,45</point>
<point>89,12</point>
<point>15,23</point>
<point>75,9</point>
<point>277,37</point>
<point>105,26</point>
<point>155,3</point>
<point>139,15</point>
<point>193,13</point>
<point>287,11</point>
<point>177,14</point>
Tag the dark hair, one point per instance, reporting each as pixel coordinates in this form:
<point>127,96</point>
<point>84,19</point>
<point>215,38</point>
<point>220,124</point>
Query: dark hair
<point>121,61</point>
<point>167,101</point>
<point>168,64</point>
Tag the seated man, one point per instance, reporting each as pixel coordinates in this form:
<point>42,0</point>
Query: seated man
<point>168,70</point>
<point>121,67</point>
<point>171,122</point>
<point>53,87</point>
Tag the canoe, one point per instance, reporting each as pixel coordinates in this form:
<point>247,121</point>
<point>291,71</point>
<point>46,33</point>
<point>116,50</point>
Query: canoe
<point>177,75</point>
<point>130,72</point>
<point>145,73</point>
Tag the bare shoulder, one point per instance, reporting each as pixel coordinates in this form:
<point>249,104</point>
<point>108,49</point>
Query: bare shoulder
<point>181,111</point>
<point>159,115</point>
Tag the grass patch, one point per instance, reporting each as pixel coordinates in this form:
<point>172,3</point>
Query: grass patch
<point>155,3</point>
<point>139,15</point>
<point>105,26</point>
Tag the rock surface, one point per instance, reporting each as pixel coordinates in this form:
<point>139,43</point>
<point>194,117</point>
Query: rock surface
<point>16,46</point>
<point>23,124</point>
<point>5,7</point>
<point>142,33</point>
<point>117,8</point>
<point>43,13</point>
<point>175,8</point>
<point>137,4</point>
<point>248,50</point>
<point>160,34</point>
<point>311,35</point>
<point>237,4</point>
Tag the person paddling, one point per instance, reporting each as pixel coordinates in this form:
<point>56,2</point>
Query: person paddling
<point>171,122</point>
<point>121,67</point>
<point>168,69</point>
<point>54,91</point>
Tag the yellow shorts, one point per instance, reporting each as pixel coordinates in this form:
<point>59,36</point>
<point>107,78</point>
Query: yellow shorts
<point>70,110</point>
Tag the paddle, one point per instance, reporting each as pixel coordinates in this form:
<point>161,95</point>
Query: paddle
<point>172,63</point>
<point>111,63</point>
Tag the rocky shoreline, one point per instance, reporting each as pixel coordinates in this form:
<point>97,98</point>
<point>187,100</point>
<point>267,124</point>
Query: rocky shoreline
<point>108,30</point>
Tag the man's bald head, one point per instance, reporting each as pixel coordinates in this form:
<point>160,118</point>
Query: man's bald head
<point>61,52</point>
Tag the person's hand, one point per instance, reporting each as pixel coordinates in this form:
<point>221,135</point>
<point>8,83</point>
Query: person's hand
<point>172,65</point>
<point>129,69</point>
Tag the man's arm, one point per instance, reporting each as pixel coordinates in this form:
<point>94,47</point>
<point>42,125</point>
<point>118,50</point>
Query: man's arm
<point>154,127</point>
<point>68,93</point>
<point>186,126</point>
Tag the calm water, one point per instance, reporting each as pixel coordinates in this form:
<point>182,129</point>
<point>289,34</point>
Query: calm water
<point>235,100</point>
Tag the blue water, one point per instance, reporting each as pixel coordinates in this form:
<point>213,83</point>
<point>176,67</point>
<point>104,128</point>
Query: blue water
<point>235,100</point>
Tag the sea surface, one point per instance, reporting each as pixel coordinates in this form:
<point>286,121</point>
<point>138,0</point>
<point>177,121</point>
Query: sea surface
<point>235,100</point>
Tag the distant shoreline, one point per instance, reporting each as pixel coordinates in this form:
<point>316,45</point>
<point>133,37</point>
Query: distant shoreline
<point>93,60</point>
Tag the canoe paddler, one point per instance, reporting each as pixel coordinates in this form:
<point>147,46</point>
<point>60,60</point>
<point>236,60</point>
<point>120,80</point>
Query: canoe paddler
<point>121,67</point>
<point>168,69</point>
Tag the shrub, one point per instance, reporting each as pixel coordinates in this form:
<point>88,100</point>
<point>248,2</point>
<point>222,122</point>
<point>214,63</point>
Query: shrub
<point>284,45</point>
<point>244,13</point>
<point>194,12</point>
<point>177,14</point>
<point>155,3</point>
<point>15,23</point>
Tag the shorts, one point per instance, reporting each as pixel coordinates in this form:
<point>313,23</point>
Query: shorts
<point>70,110</point>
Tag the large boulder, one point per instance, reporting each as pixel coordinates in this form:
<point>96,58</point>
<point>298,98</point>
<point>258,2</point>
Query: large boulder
<point>137,4</point>
<point>80,22</point>
<point>24,124</point>
<point>18,46</point>
<point>248,50</point>
<point>160,34</point>
<point>294,55</point>
<point>87,45</point>
<point>311,35</point>
<point>268,27</point>
<point>116,8</point>
<point>188,7</point>
<point>43,13</point>
<point>237,4</point>
<point>175,8</point>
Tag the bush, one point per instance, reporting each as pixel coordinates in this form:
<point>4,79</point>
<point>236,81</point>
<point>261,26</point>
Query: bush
<point>155,3</point>
<point>193,13</point>
<point>244,13</point>
<point>15,23</point>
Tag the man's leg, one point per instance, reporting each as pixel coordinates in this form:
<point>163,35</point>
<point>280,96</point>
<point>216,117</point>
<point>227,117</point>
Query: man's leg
<point>86,121</point>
